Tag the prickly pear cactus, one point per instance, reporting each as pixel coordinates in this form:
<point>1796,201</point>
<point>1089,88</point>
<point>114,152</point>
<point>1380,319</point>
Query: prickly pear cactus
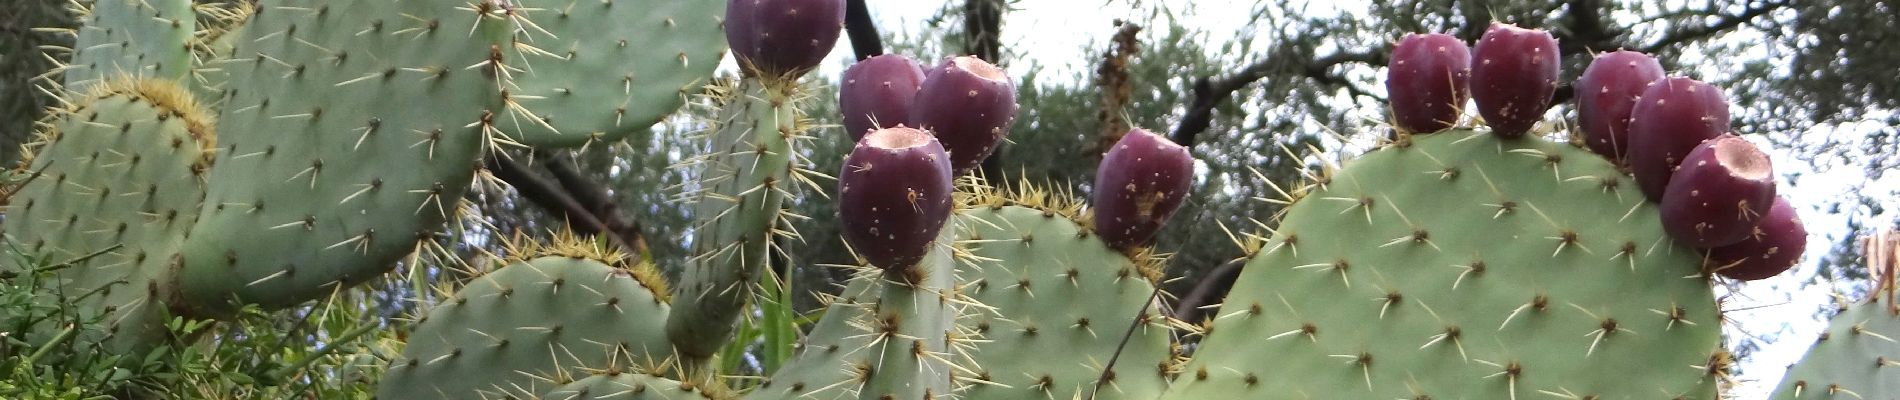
<point>597,70</point>
<point>511,332</point>
<point>1056,303</point>
<point>116,180</point>
<point>1463,266</point>
<point>632,386</point>
<point>830,359</point>
<point>882,336</point>
<point>145,38</point>
<point>1858,357</point>
<point>744,178</point>
<point>294,210</point>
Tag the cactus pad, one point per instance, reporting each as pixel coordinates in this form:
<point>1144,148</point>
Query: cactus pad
<point>144,38</point>
<point>121,169</point>
<point>631,386</point>
<point>744,178</point>
<point>351,131</point>
<point>1858,357</point>
<point>881,337</point>
<point>1464,266</point>
<point>544,317</point>
<point>599,69</point>
<point>1056,303</point>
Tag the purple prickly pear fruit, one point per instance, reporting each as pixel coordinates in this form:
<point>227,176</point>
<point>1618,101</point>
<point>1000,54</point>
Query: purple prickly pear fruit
<point>1671,117</point>
<point>1428,81</point>
<point>969,105</point>
<point>1722,190</point>
<point>877,92</point>
<point>1775,246</point>
<point>893,196</point>
<point>1513,76</point>
<point>775,38</point>
<point>1140,182</point>
<point>1605,95</point>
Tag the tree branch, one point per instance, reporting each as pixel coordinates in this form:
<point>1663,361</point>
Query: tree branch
<point>1749,13</point>
<point>552,198</point>
<point>1587,31</point>
<point>862,31</point>
<point>596,201</point>
<point>1209,93</point>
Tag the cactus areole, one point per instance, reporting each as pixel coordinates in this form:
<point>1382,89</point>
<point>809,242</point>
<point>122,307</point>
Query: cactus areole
<point>1718,194</point>
<point>1513,77</point>
<point>1140,182</point>
<point>1429,81</point>
<point>1774,246</point>
<point>782,38</point>
<point>969,104</point>
<point>876,93</point>
<point>1670,119</point>
<point>894,194</point>
<point>1605,95</point>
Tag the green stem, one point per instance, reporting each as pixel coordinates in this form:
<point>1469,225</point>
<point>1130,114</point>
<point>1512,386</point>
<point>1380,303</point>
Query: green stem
<point>283,374</point>
<point>63,335</point>
<point>76,261</point>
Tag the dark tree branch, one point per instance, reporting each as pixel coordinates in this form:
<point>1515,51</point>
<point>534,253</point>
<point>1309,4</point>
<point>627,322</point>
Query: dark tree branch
<point>596,200</point>
<point>982,37</point>
<point>1209,93</point>
<point>1726,23</point>
<point>983,29</point>
<point>1586,31</point>
<point>862,31</point>
<point>1209,291</point>
<point>551,197</point>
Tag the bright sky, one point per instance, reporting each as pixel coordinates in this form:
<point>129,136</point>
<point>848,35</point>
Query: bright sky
<point>1055,33</point>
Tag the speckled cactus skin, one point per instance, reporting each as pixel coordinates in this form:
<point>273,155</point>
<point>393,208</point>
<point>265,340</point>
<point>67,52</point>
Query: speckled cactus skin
<point>1497,268</point>
<point>1457,266</point>
<point>545,316</point>
<point>119,172</point>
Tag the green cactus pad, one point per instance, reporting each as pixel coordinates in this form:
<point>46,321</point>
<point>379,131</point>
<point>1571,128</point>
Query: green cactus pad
<point>1858,357</point>
<point>630,386</point>
<point>600,69</point>
<point>914,321</point>
<point>120,169</point>
<point>880,337</point>
<point>145,38</point>
<point>830,359</point>
<point>351,129</point>
<point>514,330</point>
<point>1463,266</point>
<point>1057,302</point>
<point>743,183</point>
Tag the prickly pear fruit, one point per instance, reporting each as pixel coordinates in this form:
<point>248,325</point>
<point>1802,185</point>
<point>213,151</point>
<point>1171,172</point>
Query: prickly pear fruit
<point>1718,194</point>
<point>1672,117</point>
<point>1140,182</point>
<point>1513,76</point>
<point>774,38</point>
<point>969,105</point>
<point>1605,95</point>
<point>1775,246</point>
<point>1429,80</point>
<point>894,195</point>
<point>876,93</point>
